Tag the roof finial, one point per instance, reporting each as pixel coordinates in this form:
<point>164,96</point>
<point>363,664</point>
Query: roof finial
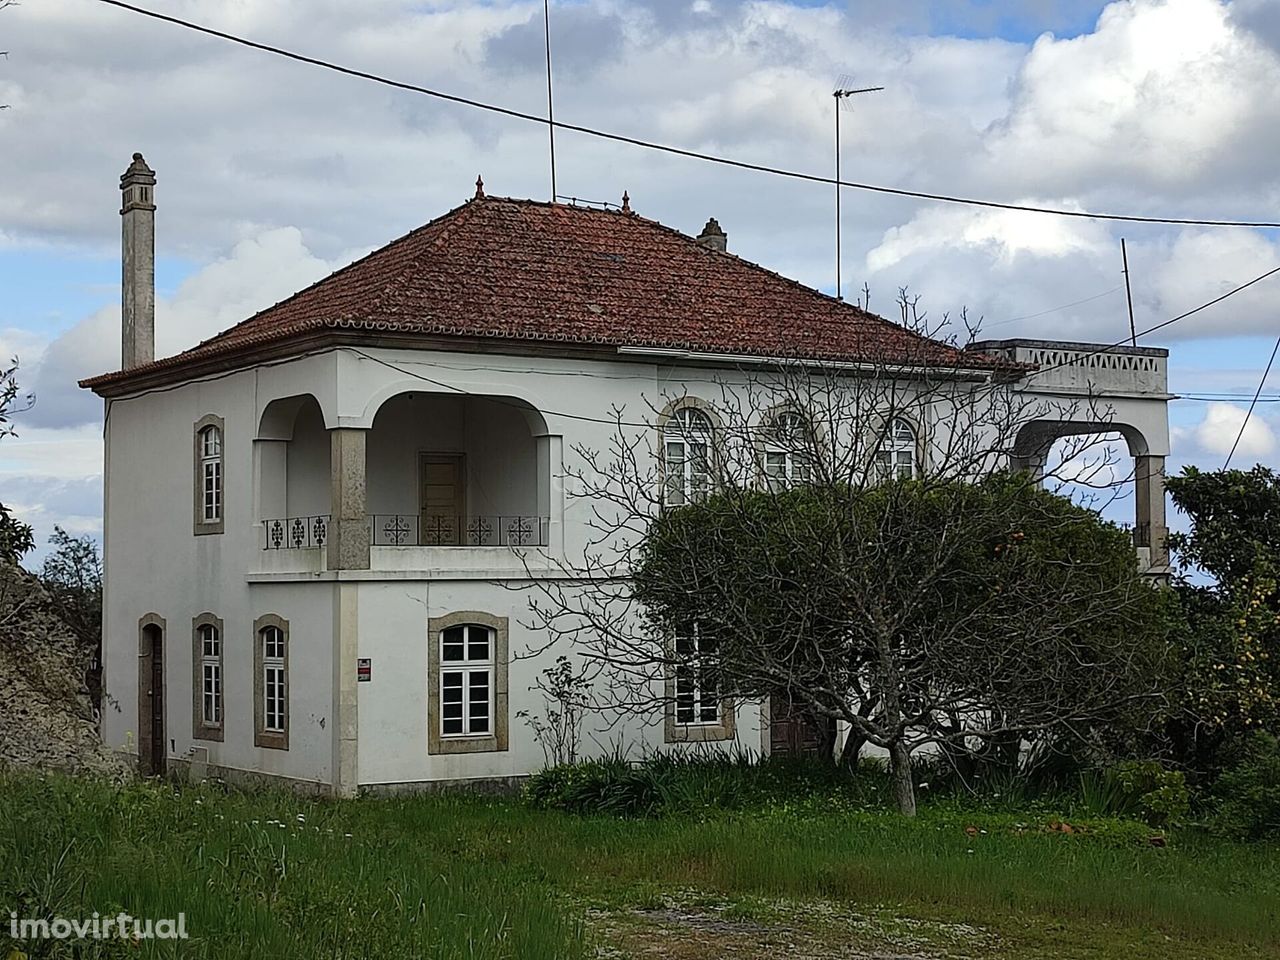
<point>479,187</point>
<point>626,202</point>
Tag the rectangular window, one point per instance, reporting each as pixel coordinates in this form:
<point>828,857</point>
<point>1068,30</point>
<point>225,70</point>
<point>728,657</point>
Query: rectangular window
<point>466,702</point>
<point>697,684</point>
<point>273,680</point>
<point>212,491</point>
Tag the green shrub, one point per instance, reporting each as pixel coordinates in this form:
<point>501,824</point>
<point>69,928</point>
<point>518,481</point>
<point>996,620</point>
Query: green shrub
<point>1247,795</point>
<point>1137,788</point>
<point>692,782</point>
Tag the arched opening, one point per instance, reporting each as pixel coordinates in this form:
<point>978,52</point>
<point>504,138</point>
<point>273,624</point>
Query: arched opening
<point>456,470</point>
<point>1086,461</point>
<point>292,451</point>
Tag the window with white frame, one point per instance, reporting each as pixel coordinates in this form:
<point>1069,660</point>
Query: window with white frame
<point>210,643</point>
<point>687,439</point>
<point>466,681</point>
<point>210,445</point>
<point>896,458</point>
<point>697,680</point>
<point>787,449</point>
<point>274,678</point>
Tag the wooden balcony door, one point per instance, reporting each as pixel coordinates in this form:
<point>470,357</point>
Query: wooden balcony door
<point>442,498</point>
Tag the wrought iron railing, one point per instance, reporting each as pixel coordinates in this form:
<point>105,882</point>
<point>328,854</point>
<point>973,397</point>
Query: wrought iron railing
<point>296,533</point>
<point>412,530</point>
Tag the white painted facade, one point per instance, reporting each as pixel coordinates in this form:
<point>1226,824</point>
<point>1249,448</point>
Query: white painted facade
<point>327,461</point>
<point>516,418</point>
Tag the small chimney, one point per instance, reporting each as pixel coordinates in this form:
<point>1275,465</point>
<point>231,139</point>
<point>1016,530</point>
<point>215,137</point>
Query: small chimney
<point>713,238</point>
<point>138,261</point>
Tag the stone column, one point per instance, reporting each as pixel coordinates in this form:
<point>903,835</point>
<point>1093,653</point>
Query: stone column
<point>1151,532</point>
<point>346,700</point>
<point>348,546</point>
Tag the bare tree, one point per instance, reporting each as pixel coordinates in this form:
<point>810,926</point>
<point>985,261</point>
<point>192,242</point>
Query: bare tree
<point>820,534</point>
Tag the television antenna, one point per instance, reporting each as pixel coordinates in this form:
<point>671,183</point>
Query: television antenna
<point>840,96</point>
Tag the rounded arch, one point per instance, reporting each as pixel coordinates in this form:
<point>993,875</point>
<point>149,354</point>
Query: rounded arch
<point>534,419</point>
<point>1036,436</point>
<point>686,402</point>
<point>280,416</point>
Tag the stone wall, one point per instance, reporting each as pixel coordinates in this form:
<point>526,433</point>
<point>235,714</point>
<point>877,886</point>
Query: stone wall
<point>47,720</point>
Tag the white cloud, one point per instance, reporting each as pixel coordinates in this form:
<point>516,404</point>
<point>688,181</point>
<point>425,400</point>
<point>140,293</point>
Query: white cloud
<point>260,270</point>
<point>1216,433</point>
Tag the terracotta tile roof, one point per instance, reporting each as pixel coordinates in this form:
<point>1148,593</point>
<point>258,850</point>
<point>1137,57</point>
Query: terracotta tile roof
<point>528,271</point>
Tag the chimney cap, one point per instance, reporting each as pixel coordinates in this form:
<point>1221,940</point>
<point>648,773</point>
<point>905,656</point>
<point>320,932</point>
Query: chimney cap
<point>713,237</point>
<point>138,172</point>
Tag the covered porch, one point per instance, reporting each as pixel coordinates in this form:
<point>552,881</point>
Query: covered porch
<point>434,470</point>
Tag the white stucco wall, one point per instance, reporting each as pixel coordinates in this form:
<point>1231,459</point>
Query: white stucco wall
<point>517,465</point>
<point>154,564</point>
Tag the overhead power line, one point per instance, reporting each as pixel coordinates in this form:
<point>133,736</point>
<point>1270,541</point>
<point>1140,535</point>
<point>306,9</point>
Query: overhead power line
<point>1252,403</point>
<point>1159,326</point>
<point>667,148</point>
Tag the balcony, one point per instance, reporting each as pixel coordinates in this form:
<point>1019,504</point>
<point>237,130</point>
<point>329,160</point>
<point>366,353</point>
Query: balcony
<point>444,482</point>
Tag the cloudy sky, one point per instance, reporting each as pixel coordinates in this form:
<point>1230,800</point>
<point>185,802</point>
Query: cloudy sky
<point>272,173</point>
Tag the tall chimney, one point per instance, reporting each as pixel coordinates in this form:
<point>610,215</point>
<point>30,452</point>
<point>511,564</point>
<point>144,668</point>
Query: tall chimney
<point>138,260</point>
<point>712,237</point>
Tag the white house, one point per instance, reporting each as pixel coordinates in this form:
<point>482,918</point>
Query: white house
<point>312,520</point>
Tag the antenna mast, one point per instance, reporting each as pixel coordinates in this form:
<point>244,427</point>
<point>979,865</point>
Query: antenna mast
<point>841,93</point>
<point>551,116</point>
<point>1124,256</point>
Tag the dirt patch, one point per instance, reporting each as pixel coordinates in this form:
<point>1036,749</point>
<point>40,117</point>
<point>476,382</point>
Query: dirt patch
<point>685,926</point>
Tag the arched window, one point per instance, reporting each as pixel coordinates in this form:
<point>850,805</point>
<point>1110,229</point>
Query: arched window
<point>207,677</point>
<point>271,682</point>
<point>209,475</point>
<point>896,458</point>
<point>788,449</point>
<point>686,451</point>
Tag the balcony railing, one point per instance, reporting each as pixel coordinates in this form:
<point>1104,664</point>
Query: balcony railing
<point>296,533</point>
<point>412,530</point>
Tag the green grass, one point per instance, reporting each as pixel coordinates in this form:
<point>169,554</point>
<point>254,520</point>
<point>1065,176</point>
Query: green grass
<point>273,875</point>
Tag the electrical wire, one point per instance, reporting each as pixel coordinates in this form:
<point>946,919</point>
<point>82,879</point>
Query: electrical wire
<point>667,148</point>
<point>1045,313</point>
<point>1159,326</point>
<point>1253,403</point>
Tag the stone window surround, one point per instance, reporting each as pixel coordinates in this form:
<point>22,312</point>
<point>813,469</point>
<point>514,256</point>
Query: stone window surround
<point>676,732</point>
<point>199,729</point>
<point>498,740</point>
<point>882,439</point>
<point>713,440</point>
<point>201,528</point>
<point>262,737</point>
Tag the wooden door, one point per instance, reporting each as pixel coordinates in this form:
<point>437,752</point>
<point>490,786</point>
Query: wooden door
<point>794,731</point>
<point>442,498</point>
<point>152,755</point>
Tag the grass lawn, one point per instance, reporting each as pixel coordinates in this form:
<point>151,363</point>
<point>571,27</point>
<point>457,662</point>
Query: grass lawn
<point>272,875</point>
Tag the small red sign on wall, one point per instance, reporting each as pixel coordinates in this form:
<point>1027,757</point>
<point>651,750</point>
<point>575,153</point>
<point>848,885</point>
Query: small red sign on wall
<point>364,669</point>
